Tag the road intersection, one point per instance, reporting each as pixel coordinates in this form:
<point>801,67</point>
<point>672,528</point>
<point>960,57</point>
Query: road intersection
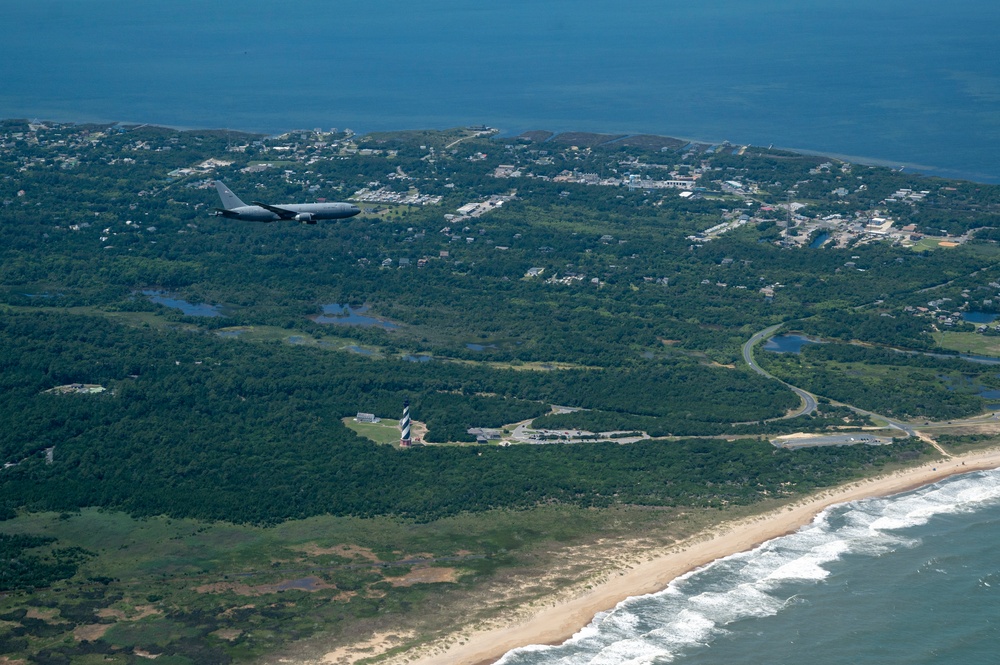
<point>809,400</point>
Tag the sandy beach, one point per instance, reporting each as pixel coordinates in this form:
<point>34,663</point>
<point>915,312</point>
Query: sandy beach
<point>560,621</point>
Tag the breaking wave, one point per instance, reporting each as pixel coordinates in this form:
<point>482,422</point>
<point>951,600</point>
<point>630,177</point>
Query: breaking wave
<point>696,608</point>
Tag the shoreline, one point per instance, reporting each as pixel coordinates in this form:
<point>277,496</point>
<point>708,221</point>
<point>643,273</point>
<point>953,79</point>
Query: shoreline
<point>558,622</point>
<point>924,170</point>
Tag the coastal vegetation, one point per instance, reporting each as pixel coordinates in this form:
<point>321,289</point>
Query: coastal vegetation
<point>903,385</point>
<point>219,434</point>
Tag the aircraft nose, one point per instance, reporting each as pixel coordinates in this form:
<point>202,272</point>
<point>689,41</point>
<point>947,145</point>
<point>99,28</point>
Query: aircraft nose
<point>354,210</point>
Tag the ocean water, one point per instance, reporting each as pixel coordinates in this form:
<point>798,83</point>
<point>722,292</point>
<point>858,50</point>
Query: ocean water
<point>914,82</point>
<point>913,578</point>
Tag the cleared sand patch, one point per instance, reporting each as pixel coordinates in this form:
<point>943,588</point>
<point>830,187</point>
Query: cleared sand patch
<point>232,610</point>
<point>376,645</point>
<point>229,634</point>
<point>425,576</point>
<point>349,551</point>
<point>46,615</point>
<point>90,632</point>
<point>137,612</point>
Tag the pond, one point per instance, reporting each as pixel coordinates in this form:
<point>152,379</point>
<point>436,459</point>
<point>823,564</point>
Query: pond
<point>353,348</point>
<point>188,309</point>
<point>345,315</point>
<point>419,358</point>
<point>979,317</point>
<point>820,239</point>
<point>789,343</point>
<point>990,394</point>
<point>480,347</point>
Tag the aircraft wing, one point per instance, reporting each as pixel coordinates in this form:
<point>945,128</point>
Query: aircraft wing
<point>283,213</point>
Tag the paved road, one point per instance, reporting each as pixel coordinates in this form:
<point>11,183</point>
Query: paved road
<point>808,399</point>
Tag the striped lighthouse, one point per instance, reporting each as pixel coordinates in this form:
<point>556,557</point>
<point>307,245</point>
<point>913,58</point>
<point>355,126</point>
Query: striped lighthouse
<point>404,425</point>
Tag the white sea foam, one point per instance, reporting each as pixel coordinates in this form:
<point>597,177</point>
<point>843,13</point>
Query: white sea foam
<point>801,569</point>
<point>744,601</point>
<point>697,607</point>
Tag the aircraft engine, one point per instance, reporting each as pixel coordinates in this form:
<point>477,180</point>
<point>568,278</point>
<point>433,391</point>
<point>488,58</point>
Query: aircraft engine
<point>305,218</point>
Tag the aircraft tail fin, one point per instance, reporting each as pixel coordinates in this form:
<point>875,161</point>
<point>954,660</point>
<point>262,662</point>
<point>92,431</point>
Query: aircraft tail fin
<point>229,200</point>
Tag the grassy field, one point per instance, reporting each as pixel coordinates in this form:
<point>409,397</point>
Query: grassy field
<point>969,342</point>
<point>927,244</point>
<point>386,431</point>
<point>197,592</point>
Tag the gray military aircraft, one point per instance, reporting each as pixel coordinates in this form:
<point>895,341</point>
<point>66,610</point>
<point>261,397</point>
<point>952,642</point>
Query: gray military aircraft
<point>307,213</point>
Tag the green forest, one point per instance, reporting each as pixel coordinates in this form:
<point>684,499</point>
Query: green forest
<point>109,241</point>
<point>581,296</point>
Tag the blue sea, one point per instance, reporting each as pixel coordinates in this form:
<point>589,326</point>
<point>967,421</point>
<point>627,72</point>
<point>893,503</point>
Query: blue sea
<point>912,83</point>
<point>913,578</point>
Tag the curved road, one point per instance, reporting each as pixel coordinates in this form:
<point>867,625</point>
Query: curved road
<point>808,399</point>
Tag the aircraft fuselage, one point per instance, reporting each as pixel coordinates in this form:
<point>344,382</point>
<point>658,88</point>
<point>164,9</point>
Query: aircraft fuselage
<point>307,213</point>
<point>302,212</point>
